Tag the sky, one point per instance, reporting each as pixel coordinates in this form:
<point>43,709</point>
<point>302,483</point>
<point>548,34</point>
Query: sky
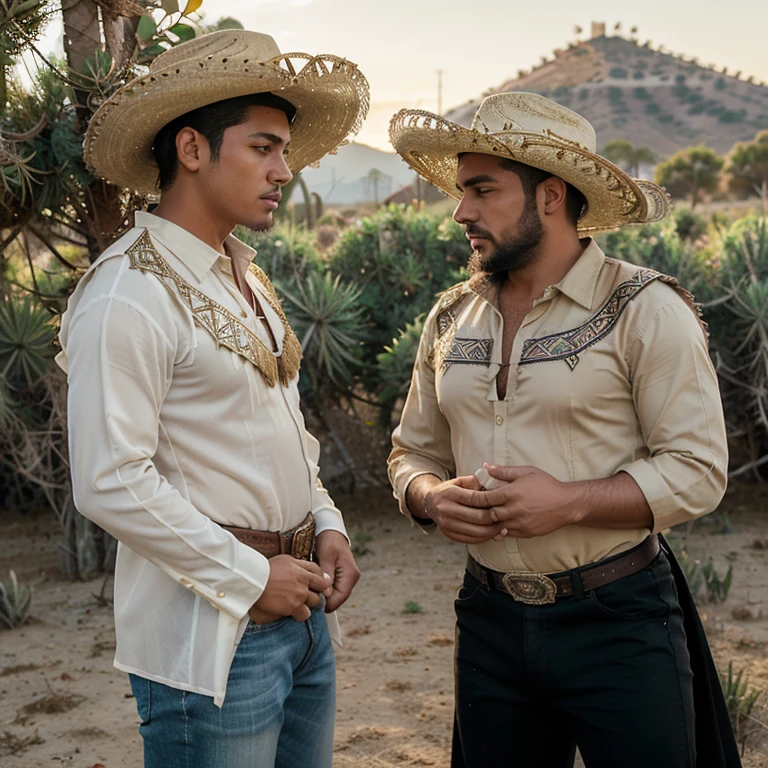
<point>400,45</point>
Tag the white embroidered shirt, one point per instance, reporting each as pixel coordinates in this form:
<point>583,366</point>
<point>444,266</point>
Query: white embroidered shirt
<point>171,434</point>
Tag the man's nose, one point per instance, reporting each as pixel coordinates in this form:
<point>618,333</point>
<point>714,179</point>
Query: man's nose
<point>280,173</point>
<point>463,213</point>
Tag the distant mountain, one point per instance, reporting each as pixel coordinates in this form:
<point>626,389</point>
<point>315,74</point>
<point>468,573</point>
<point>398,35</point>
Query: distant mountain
<point>651,99</point>
<point>346,177</point>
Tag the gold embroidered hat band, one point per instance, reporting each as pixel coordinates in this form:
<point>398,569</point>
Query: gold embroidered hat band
<point>530,129</point>
<point>330,95</point>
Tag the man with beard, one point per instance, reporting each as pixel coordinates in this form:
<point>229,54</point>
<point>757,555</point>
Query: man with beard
<point>563,410</point>
<point>187,440</point>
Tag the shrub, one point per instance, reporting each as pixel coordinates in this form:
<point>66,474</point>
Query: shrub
<point>740,701</point>
<point>652,108</point>
<point>733,116</point>
<point>400,258</point>
<point>619,73</point>
<point>15,601</point>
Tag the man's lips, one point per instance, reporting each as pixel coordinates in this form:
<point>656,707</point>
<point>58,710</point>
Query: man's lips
<point>473,239</point>
<point>272,200</point>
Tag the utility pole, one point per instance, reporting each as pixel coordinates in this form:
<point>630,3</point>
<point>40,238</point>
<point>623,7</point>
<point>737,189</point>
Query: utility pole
<point>440,91</point>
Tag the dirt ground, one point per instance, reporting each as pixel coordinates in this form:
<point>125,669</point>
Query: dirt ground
<point>62,702</point>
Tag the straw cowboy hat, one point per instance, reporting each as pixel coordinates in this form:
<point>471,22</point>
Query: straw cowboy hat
<point>330,95</point>
<point>533,130</point>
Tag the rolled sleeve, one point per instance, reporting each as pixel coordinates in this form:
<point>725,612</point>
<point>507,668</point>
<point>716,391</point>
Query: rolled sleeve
<point>676,396</point>
<point>422,440</point>
<point>120,363</point>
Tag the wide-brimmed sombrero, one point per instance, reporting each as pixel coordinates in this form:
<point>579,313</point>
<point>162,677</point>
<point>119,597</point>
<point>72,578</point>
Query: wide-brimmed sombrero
<point>536,131</point>
<point>330,95</point>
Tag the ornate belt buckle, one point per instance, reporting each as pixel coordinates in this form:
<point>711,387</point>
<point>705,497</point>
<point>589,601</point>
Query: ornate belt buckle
<point>530,588</point>
<point>303,545</point>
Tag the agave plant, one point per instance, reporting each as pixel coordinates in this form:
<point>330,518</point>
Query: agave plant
<point>395,363</point>
<point>325,314</point>
<point>26,340</point>
<point>739,322</point>
<point>15,601</point>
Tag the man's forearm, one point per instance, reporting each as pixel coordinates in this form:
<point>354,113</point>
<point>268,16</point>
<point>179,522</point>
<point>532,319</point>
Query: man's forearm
<point>615,502</point>
<point>416,495</point>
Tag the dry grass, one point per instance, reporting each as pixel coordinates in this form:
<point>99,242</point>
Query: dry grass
<point>11,744</point>
<point>19,669</point>
<point>51,704</point>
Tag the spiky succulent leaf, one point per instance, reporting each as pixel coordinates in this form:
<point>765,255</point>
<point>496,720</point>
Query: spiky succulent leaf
<point>26,340</point>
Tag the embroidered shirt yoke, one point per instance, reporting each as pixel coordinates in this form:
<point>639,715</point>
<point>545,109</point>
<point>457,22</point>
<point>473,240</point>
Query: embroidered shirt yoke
<point>609,372</point>
<point>184,413</point>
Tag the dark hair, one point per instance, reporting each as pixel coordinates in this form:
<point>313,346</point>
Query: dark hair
<point>575,202</point>
<point>211,121</point>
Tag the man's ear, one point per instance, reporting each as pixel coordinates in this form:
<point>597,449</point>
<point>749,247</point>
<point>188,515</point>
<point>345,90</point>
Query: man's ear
<point>191,149</point>
<point>555,193</point>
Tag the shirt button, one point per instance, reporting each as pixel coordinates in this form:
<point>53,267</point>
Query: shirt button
<point>222,594</point>
<point>499,421</point>
<point>243,313</point>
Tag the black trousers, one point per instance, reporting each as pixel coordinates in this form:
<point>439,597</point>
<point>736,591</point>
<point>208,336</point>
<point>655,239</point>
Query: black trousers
<point>607,671</point>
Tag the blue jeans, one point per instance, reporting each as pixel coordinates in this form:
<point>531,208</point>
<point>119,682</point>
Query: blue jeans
<point>279,709</point>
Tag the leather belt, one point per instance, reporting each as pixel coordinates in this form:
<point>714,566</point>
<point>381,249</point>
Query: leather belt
<point>298,542</point>
<point>542,589</point>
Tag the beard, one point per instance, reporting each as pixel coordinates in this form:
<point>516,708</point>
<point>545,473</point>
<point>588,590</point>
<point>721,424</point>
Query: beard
<point>514,251</point>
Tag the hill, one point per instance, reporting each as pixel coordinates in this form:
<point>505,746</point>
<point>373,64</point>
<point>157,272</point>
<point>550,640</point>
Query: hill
<point>650,98</point>
<point>344,177</point>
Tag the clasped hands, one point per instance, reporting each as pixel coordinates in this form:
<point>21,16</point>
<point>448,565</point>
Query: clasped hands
<point>294,586</point>
<point>529,503</point>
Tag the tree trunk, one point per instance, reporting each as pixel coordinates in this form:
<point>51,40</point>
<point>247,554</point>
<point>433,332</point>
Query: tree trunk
<point>120,34</point>
<point>82,40</point>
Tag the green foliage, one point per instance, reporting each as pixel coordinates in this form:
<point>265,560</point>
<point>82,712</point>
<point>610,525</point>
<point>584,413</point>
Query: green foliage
<point>691,568</point>
<point>748,166</point>
<point>15,602</point>
<point>395,363</point>
<point>717,587</point>
<point>733,116</point>
<point>325,315</point>
<point>689,225</point>
<point>400,258</point>
<point>627,156</point>
<point>411,606</point>
<point>359,541</point>
<point>26,340</point>
<point>721,84</point>
<point>690,172</point>
<point>660,246</point>
<point>740,701</point>
<point>618,72</point>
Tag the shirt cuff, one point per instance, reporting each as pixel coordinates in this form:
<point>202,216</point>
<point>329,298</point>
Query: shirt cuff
<point>329,519</point>
<point>239,592</point>
<point>657,493</point>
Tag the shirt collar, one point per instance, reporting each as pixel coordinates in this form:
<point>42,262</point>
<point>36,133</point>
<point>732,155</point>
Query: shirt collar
<point>580,282</point>
<point>196,255</point>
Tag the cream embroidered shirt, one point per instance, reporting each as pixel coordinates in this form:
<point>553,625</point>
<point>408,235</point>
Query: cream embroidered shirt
<point>171,434</point>
<point>609,372</point>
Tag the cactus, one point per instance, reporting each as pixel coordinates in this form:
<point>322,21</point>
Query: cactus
<point>15,601</point>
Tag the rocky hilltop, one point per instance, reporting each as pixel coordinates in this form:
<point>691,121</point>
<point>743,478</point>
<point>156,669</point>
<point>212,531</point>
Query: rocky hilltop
<point>650,98</point>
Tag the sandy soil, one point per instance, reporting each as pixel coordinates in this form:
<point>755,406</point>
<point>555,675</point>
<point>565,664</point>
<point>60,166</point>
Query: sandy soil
<point>62,703</point>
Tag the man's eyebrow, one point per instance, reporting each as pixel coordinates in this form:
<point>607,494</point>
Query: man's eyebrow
<point>481,178</point>
<point>273,137</point>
